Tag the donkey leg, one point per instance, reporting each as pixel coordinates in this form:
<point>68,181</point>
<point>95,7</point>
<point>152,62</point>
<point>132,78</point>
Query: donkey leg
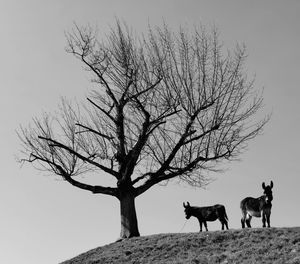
<point>248,220</point>
<point>248,223</point>
<point>226,224</point>
<point>264,219</point>
<point>222,223</point>
<point>243,222</point>
<point>243,219</point>
<point>205,225</point>
<point>200,224</point>
<point>268,214</point>
<point>268,221</point>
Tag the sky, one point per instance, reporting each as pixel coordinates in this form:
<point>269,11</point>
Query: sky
<point>45,220</point>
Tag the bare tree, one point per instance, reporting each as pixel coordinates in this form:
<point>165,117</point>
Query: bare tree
<point>166,105</point>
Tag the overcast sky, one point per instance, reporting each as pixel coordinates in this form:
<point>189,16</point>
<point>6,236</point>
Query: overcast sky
<point>45,220</point>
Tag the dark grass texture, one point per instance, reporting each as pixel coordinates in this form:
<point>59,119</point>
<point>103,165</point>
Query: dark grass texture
<point>257,245</point>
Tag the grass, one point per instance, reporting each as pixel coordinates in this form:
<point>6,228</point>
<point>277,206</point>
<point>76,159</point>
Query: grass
<point>268,245</point>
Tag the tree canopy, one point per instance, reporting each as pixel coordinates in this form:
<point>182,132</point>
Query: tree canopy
<point>163,105</point>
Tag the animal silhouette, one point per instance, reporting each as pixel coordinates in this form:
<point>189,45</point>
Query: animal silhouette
<point>258,207</point>
<point>207,213</point>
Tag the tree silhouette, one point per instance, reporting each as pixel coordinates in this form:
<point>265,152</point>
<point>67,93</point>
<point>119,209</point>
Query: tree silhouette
<point>165,105</point>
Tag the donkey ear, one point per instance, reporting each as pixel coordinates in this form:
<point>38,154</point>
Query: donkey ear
<point>271,184</point>
<point>184,205</point>
<point>188,204</point>
<point>263,185</point>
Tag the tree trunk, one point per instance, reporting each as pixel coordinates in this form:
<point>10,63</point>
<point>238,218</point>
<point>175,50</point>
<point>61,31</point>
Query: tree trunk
<point>129,224</point>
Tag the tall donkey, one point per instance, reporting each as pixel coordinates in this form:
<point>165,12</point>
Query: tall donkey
<point>257,207</point>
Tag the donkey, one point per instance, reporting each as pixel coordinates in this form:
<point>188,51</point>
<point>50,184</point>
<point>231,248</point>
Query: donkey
<point>257,207</point>
<point>208,213</point>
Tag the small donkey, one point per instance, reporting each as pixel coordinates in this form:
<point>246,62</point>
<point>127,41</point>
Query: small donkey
<point>207,213</point>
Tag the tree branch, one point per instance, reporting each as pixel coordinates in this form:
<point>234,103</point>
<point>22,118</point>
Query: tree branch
<point>159,176</point>
<point>67,177</point>
<point>216,127</point>
<point>102,110</point>
<point>93,131</point>
<point>146,90</point>
<point>93,189</point>
<point>83,158</point>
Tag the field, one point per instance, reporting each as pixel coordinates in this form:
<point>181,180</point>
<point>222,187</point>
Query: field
<point>268,245</point>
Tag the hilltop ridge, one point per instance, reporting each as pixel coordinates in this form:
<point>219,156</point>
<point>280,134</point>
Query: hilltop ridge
<point>256,245</point>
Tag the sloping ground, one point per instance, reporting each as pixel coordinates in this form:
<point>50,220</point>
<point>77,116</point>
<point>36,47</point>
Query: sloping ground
<point>268,245</point>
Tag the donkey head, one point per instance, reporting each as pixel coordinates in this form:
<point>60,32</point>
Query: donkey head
<point>187,210</point>
<point>268,191</point>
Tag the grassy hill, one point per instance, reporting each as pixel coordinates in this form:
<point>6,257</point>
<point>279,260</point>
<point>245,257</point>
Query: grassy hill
<point>268,245</point>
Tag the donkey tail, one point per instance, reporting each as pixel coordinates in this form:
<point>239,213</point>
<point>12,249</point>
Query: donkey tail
<point>225,215</point>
